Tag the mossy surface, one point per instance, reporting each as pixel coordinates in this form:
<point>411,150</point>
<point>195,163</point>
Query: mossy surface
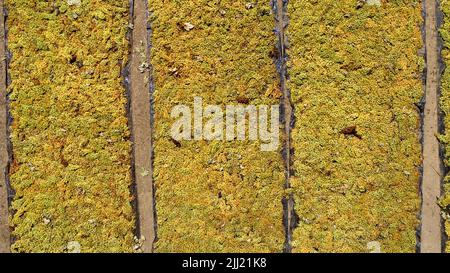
<point>355,79</point>
<point>215,196</point>
<point>71,169</point>
<point>445,107</point>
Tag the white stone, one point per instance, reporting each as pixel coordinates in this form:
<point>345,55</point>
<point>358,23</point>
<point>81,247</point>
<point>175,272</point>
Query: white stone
<point>373,2</point>
<point>374,247</point>
<point>73,247</point>
<point>188,26</point>
<point>74,3</point>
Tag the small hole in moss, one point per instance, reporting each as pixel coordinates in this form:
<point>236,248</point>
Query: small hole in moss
<point>351,131</point>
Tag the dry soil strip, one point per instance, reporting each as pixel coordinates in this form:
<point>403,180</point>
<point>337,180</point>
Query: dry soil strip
<point>287,110</point>
<point>4,227</point>
<point>141,125</point>
<point>431,230</point>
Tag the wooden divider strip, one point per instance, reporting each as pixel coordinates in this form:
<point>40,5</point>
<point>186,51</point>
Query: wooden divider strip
<point>141,125</point>
<point>4,226</point>
<point>431,231</point>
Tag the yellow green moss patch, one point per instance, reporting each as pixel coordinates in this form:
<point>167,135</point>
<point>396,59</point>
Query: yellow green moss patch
<point>215,196</point>
<point>355,77</point>
<point>71,169</point>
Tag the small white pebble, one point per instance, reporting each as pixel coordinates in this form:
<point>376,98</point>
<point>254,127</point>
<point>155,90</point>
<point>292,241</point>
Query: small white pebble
<point>374,247</point>
<point>249,5</point>
<point>73,247</point>
<point>188,26</point>
<point>74,3</point>
<point>373,3</point>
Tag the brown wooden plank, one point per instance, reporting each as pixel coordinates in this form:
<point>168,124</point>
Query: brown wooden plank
<point>281,19</point>
<point>141,125</point>
<point>4,226</point>
<point>431,230</point>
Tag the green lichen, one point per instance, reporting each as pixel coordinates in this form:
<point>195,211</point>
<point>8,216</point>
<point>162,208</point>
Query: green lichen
<point>214,196</point>
<point>71,169</point>
<point>355,77</point>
